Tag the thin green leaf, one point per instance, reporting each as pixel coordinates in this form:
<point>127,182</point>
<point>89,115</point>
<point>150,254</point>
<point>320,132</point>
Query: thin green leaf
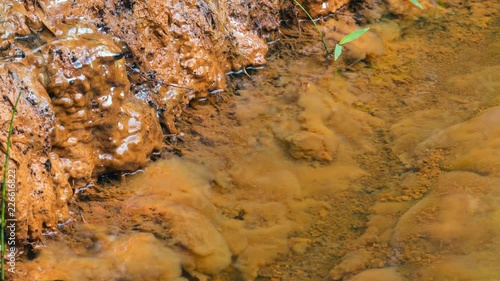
<point>416,3</point>
<point>337,52</point>
<point>353,35</point>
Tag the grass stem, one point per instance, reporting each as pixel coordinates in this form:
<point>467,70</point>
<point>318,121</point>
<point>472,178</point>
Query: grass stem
<point>325,45</point>
<point>4,183</point>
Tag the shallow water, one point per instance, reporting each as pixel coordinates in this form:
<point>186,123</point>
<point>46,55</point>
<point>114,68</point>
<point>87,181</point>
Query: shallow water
<point>384,169</point>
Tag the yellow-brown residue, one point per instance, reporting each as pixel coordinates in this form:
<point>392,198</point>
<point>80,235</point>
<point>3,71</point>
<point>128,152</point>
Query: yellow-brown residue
<point>85,110</point>
<point>380,167</point>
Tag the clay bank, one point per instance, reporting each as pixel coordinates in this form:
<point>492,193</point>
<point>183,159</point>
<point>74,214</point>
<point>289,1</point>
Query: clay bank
<point>102,83</point>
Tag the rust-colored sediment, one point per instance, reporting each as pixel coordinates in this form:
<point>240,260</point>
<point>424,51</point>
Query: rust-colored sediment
<point>101,81</point>
<point>382,166</point>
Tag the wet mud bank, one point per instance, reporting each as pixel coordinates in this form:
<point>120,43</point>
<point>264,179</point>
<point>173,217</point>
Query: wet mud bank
<point>103,82</point>
<point>383,166</point>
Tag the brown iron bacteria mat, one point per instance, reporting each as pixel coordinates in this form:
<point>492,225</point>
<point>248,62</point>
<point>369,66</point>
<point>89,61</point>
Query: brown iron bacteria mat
<point>383,165</point>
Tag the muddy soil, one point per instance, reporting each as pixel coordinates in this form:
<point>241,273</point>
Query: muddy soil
<point>103,83</point>
<point>383,166</point>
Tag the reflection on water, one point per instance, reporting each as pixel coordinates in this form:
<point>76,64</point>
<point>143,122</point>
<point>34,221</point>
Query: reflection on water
<point>388,170</point>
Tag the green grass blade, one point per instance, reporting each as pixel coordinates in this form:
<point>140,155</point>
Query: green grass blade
<point>416,3</point>
<point>353,35</point>
<point>4,184</point>
<point>337,52</point>
<point>325,45</point>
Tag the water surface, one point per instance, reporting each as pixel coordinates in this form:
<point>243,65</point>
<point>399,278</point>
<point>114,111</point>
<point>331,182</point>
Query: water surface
<point>385,166</point>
